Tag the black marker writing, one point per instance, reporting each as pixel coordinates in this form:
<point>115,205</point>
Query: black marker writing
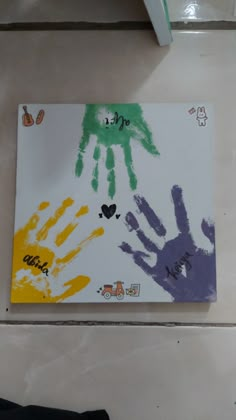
<point>117,119</point>
<point>179,265</point>
<point>35,262</point>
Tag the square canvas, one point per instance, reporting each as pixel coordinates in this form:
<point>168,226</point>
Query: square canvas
<point>114,204</point>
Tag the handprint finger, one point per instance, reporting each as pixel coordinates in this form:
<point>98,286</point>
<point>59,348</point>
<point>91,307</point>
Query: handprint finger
<point>27,292</point>
<point>209,230</point>
<point>80,161</point>
<point>76,285</point>
<point>129,250</point>
<point>96,157</point>
<point>132,224</point>
<point>44,205</point>
<point>147,243</point>
<point>32,222</point>
<point>150,215</point>
<point>79,165</point>
<point>66,232</point>
<point>110,164</point>
<point>140,129</point>
<point>131,221</point>
<point>138,257</point>
<point>180,209</point>
<point>129,165</point>
<point>87,121</point>
<point>43,232</point>
<point>111,179</point>
<point>62,262</point>
<point>146,139</point>
<point>126,248</point>
<point>149,146</point>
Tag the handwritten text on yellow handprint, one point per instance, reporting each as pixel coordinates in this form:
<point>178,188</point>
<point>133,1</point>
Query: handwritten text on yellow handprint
<point>35,265</point>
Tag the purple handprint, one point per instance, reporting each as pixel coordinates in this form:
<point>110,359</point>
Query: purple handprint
<point>198,283</point>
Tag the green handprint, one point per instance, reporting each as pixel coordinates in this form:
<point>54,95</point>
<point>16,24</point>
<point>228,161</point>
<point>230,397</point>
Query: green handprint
<point>113,125</point>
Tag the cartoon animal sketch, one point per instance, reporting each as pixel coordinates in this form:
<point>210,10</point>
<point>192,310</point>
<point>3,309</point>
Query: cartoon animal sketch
<point>109,291</point>
<point>113,125</point>
<point>201,116</point>
<point>198,281</point>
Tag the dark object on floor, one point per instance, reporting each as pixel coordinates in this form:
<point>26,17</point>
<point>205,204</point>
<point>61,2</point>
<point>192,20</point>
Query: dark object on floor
<point>12,411</point>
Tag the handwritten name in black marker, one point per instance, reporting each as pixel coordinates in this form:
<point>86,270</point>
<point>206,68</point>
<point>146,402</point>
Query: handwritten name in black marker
<point>35,262</point>
<point>179,265</point>
<point>116,120</point>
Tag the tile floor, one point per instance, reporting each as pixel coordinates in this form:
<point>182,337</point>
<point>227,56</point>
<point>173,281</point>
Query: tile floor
<point>136,373</point>
<point>119,66</point>
<point>202,10</point>
<point>179,373</point>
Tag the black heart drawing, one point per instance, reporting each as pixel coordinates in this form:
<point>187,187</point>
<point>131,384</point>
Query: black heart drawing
<point>108,211</point>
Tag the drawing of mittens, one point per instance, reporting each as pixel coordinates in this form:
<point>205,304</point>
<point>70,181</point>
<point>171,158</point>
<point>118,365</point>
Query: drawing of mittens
<point>36,267</point>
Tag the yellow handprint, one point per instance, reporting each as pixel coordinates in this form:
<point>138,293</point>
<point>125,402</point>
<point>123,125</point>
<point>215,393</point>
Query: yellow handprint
<point>34,264</point>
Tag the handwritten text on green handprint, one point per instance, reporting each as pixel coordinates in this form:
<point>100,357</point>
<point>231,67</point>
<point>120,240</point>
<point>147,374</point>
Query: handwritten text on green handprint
<point>114,125</point>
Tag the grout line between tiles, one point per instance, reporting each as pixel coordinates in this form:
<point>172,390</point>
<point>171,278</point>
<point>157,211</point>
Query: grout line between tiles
<point>77,26</point>
<point>118,324</point>
<point>206,25</point>
<point>122,25</point>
